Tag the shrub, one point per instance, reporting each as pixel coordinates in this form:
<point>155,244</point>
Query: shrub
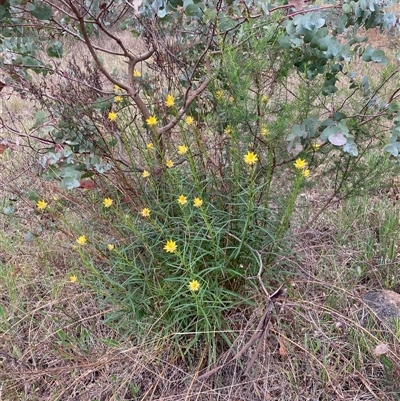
<point>206,139</point>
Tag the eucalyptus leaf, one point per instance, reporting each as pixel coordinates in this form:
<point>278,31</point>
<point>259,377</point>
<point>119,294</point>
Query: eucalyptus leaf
<point>8,210</point>
<point>337,139</point>
<point>40,118</point>
<point>392,149</point>
<point>55,49</point>
<point>378,56</point>
<point>41,11</point>
<point>70,183</point>
<point>351,148</point>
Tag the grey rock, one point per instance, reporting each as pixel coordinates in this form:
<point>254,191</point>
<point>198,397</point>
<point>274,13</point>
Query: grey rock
<point>386,305</point>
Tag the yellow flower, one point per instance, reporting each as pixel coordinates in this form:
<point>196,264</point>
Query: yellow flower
<point>197,202</point>
<point>315,146</point>
<point>107,202</point>
<point>152,120</point>
<point>145,212</point>
<point>182,200</point>
<point>264,98</point>
<point>150,146</point>
<point>189,120</point>
<point>145,174</point>
<point>194,285</point>
<point>41,204</point>
<point>228,130</point>
<point>112,116</point>
<point>182,149</point>
<point>250,158</point>
<point>169,101</point>
<point>81,240</point>
<point>118,99</point>
<point>110,247</point>
<point>169,163</point>
<point>73,279</point>
<point>219,94</point>
<point>231,99</point>
<point>305,173</point>
<point>116,88</point>
<point>170,246</point>
<point>137,73</point>
<point>264,131</point>
<point>300,164</point>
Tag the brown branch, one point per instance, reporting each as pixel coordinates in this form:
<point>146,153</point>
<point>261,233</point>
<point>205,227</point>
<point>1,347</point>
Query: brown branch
<point>134,94</point>
<point>310,10</point>
<point>77,37</point>
<point>183,109</point>
<point>260,331</point>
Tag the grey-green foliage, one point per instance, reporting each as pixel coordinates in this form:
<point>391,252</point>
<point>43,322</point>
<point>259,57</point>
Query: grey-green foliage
<point>308,40</point>
<point>311,38</point>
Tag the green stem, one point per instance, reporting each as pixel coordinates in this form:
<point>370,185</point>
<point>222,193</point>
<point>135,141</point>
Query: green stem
<point>249,214</point>
<point>287,214</point>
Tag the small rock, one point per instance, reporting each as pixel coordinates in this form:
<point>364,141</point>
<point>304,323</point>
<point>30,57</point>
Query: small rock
<point>386,305</point>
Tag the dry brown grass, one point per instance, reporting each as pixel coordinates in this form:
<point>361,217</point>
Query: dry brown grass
<point>314,350</point>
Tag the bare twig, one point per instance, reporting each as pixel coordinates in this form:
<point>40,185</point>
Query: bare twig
<point>129,89</point>
<point>260,331</point>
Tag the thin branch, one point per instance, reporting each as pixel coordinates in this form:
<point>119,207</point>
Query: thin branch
<point>260,331</point>
<point>134,94</point>
<point>183,109</point>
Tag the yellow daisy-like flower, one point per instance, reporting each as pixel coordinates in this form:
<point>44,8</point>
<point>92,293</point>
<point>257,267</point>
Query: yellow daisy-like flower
<point>81,240</point>
<point>228,130</point>
<point>305,173</point>
<point>182,200</point>
<point>231,99</point>
<point>41,204</point>
<point>219,94</point>
<point>110,247</point>
<point>118,99</point>
<point>137,73</point>
<point>264,98</point>
<point>107,202</point>
<point>170,246</point>
<point>145,212</point>
<point>116,88</point>
<point>151,121</point>
<point>150,146</point>
<point>250,158</point>
<point>73,279</point>
<point>112,116</point>
<point>315,146</point>
<point>145,174</point>
<point>194,285</point>
<point>300,164</point>
<point>189,120</point>
<point>169,101</point>
<point>264,131</point>
<point>197,202</point>
<point>169,163</point>
<point>182,149</point>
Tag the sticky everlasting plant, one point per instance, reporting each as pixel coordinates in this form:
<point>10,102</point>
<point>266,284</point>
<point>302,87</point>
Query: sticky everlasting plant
<point>198,234</point>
